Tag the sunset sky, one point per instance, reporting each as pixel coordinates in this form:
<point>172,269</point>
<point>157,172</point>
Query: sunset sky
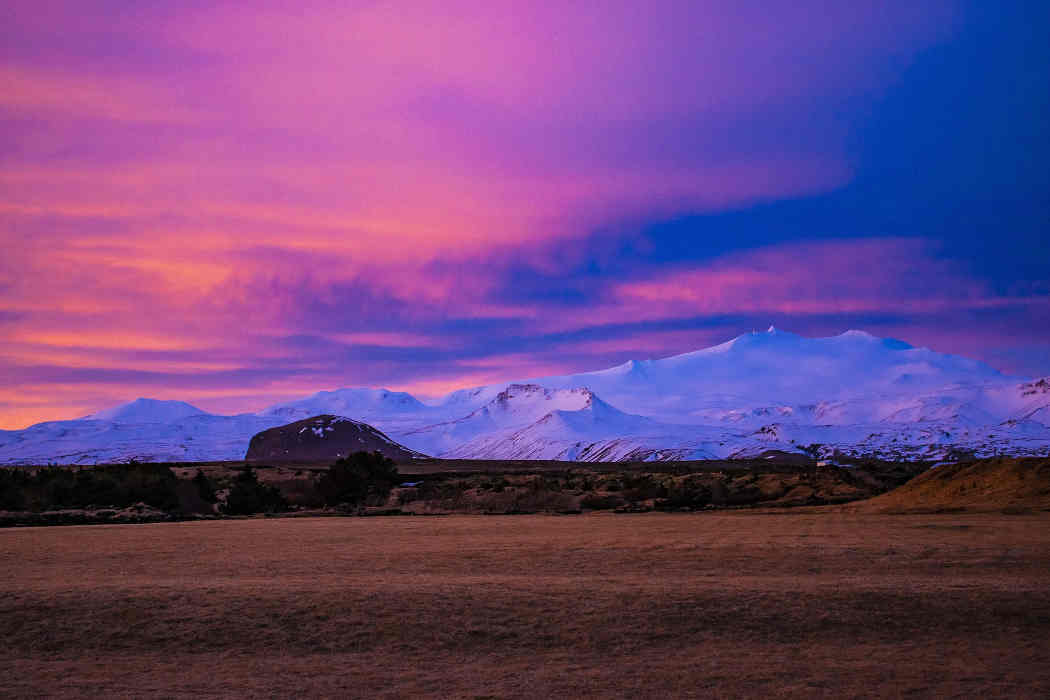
<point>234,204</point>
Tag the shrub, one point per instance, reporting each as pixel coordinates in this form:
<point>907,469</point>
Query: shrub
<point>300,492</point>
<point>594,501</point>
<point>116,485</point>
<point>13,484</point>
<point>533,500</point>
<point>642,487</point>
<point>204,487</point>
<point>691,493</point>
<point>247,495</point>
<point>359,478</point>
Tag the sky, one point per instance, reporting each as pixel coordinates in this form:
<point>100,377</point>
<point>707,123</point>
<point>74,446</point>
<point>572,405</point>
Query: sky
<point>235,204</point>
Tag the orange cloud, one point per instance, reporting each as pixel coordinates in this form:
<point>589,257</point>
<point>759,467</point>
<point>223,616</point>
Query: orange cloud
<point>64,94</point>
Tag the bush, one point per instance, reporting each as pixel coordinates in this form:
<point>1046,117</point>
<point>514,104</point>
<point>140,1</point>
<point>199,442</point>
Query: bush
<point>362,477</point>
<point>13,487</point>
<point>594,501</point>
<point>300,492</point>
<point>690,493</point>
<point>247,495</point>
<point>642,487</point>
<point>204,487</point>
<point>117,486</point>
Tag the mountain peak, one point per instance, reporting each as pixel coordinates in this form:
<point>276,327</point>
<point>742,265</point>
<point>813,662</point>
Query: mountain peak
<point>579,395</point>
<point>756,338</point>
<point>145,410</point>
<point>864,336</point>
<point>354,402</point>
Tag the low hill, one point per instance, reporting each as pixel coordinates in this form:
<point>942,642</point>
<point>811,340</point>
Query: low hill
<point>323,437</point>
<point>997,484</point>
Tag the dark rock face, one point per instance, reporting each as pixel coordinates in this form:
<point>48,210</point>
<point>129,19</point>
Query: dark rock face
<point>323,437</point>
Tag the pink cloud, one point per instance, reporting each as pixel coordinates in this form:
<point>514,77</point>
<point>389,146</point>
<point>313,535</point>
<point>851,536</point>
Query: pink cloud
<point>867,275</point>
<point>35,92</point>
<point>328,120</point>
<point>212,179</point>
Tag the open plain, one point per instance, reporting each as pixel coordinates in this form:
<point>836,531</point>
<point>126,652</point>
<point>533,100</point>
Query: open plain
<point>794,603</point>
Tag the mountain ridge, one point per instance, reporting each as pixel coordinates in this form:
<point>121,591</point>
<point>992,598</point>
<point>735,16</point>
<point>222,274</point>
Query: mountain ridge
<point>853,392</point>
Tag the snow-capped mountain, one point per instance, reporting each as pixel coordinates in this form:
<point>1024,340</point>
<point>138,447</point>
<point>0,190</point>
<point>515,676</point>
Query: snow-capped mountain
<point>146,430</point>
<point>148,411</point>
<point>581,428</point>
<point>776,368</point>
<point>397,410</point>
<point>853,393</point>
<point>565,413</point>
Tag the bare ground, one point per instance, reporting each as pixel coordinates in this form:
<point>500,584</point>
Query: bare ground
<point>820,603</point>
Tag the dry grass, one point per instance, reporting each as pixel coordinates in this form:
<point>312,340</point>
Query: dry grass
<point>1000,484</point>
<point>715,604</point>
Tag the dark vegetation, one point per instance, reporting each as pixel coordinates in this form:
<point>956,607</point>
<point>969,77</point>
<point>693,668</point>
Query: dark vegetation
<point>579,490</point>
<point>145,492</point>
<point>204,487</point>
<point>248,495</point>
<point>371,484</point>
<point>111,486</point>
<point>363,477</point>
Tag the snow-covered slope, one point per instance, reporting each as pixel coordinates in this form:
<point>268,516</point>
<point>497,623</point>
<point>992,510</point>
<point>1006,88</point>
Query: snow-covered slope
<point>362,403</point>
<point>590,431</point>
<point>776,368</point>
<point>148,411</point>
<point>852,393</point>
<point>187,435</point>
<point>575,412</point>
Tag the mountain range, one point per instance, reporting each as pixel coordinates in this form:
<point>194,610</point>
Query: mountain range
<point>852,393</point>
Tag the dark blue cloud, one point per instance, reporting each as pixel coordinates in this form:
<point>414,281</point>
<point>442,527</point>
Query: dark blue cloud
<point>954,152</point>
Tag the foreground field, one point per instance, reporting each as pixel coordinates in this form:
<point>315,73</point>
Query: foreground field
<point>725,604</point>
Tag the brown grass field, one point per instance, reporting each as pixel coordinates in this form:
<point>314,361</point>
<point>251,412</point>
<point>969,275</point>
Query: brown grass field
<point>823,602</point>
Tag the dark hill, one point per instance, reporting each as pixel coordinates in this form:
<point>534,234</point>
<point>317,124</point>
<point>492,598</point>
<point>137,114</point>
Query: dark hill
<point>323,437</point>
